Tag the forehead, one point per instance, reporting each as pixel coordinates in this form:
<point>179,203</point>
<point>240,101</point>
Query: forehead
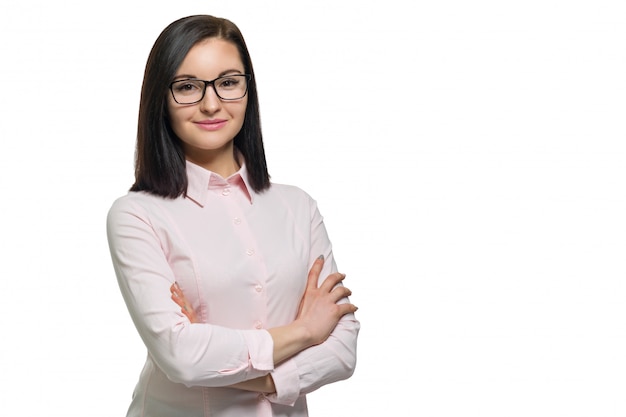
<point>211,57</point>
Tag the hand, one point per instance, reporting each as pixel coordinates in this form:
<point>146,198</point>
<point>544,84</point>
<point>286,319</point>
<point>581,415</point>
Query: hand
<point>319,311</point>
<point>185,306</point>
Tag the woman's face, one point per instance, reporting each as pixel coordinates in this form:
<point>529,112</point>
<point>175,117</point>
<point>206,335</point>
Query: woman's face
<point>207,128</point>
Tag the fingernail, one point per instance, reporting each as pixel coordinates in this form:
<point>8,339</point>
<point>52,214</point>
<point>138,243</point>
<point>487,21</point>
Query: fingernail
<point>321,257</point>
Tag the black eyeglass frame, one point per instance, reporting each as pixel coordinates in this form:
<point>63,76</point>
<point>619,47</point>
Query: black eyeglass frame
<point>247,77</point>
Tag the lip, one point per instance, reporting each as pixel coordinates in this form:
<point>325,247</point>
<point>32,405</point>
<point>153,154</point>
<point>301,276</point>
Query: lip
<point>211,124</point>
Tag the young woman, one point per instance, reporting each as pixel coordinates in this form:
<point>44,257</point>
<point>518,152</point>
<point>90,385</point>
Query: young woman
<point>265,318</point>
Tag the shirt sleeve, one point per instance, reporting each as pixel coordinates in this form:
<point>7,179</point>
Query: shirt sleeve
<point>331,361</point>
<point>195,355</point>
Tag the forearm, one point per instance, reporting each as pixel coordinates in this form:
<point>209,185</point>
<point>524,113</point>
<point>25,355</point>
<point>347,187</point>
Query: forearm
<point>318,306</point>
<point>316,366</point>
<point>334,360</point>
<point>289,340</point>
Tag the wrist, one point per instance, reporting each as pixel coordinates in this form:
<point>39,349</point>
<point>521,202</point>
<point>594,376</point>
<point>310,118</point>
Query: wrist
<point>264,385</point>
<point>290,340</point>
<point>302,334</point>
<point>270,388</point>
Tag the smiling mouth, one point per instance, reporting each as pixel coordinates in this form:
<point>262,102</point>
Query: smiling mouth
<point>211,124</point>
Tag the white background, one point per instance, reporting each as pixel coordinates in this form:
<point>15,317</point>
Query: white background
<point>469,158</point>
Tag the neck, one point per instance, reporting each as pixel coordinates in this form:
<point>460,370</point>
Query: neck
<point>221,161</point>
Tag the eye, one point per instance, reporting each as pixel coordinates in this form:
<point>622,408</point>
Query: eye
<point>188,86</point>
<point>229,82</point>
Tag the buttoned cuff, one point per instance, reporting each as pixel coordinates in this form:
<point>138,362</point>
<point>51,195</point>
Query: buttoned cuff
<point>286,382</point>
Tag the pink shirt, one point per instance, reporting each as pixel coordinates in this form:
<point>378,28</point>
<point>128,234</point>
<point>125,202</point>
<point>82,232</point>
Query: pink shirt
<point>242,260</point>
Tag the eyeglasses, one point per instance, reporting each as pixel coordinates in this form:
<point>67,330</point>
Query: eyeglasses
<point>228,87</point>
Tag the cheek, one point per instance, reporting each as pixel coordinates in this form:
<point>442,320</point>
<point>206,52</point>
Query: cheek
<point>177,117</point>
<point>240,111</point>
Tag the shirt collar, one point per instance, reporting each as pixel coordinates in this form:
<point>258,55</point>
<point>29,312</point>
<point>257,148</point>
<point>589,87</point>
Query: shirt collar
<point>200,180</point>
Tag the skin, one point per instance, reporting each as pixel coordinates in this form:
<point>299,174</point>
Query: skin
<point>318,313</point>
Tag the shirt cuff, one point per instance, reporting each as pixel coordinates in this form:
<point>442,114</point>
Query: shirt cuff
<point>286,382</point>
<point>260,349</point>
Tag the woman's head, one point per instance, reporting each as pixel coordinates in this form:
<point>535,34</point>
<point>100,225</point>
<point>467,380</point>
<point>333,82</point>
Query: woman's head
<point>160,157</point>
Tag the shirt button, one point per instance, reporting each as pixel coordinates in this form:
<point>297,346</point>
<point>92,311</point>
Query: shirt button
<point>226,191</point>
<point>261,397</point>
<point>258,325</point>
<point>250,252</point>
<point>237,220</point>
<point>258,287</point>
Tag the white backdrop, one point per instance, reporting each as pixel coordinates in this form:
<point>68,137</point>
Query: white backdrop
<point>469,159</point>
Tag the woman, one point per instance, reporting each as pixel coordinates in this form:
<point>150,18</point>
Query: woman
<point>241,255</point>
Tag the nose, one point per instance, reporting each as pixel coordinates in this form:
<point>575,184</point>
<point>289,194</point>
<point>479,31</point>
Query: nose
<point>211,102</point>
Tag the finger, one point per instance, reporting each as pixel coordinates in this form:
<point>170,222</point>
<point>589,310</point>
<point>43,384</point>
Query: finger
<point>185,309</point>
<point>340,293</point>
<point>331,281</point>
<point>190,313</point>
<point>178,301</point>
<point>177,294</point>
<point>347,308</point>
<point>175,289</point>
<point>315,271</point>
<point>187,314</point>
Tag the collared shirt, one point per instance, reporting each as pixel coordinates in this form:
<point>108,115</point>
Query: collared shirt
<point>241,258</point>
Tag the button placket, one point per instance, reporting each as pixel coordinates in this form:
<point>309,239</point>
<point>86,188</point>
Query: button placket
<point>242,229</point>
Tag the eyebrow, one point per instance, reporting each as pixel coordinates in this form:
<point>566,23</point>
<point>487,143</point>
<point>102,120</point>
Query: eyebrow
<point>221,74</point>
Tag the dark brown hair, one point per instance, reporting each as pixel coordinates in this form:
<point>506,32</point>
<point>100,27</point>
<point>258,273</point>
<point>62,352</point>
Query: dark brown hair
<point>159,156</point>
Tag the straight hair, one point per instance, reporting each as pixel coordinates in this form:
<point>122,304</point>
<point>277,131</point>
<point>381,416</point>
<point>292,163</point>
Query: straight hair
<point>159,156</point>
